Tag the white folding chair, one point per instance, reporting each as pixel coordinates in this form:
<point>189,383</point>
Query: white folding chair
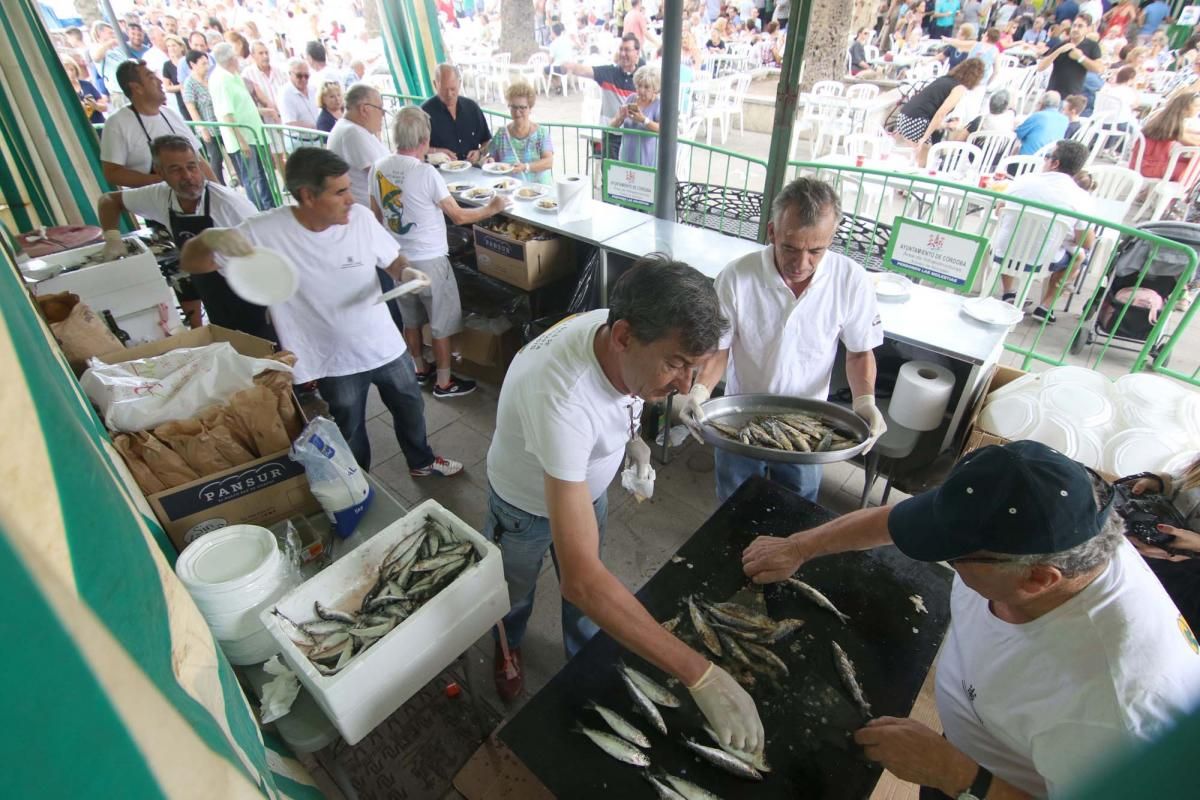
<point>1016,166</point>
<point>995,145</point>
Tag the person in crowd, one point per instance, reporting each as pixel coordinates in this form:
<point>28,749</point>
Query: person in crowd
<point>460,130</point>
<point>156,54</point>
<point>1036,33</point>
<point>266,79</point>
<point>136,36</point>
<point>616,85</point>
<point>641,113</point>
<point>125,147</point>
<point>1121,87</point>
<point>1055,184</point>
<point>562,50</point>
<point>1072,108</point>
<point>342,338</point>
<point>973,13</point>
<point>1178,570</point>
<point>563,428</point>
<point>789,306</point>
<point>770,49</point>
<point>638,24</point>
<point>241,45</point>
<point>522,142</point>
<point>941,21</point>
<point>998,118</point>
<point>1070,61</point>
<point>187,204</point>
<point>242,129</point>
<point>322,72</point>
<point>965,46</point>
<point>295,109</point>
<point>1158,52</point>
<point>410,198</point>
<point>107,54</point>
<point>198,102</point>
<point>1187,81</point>
<point>1119,17</point>
<point>1047,124</point>
<point>1150,19</point>
<point>355,137</point>
<point>858,52</point>
<point>1063,650</point>
<point>94,103</point>
<point>716,41</point>
<point>1174,123</point>
<point>172,83</point>
<point>332,105</point>
<point>1111,44</point>
<point>1065,11</point>
<point>921,118</point>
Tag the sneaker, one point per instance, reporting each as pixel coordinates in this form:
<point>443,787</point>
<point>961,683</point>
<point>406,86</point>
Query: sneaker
<point>456,388</point>
<point>1008,297</point>
<point>441,468</point>
<point>424,377</point>
<point>1043,313</point>
<point>509,676</point>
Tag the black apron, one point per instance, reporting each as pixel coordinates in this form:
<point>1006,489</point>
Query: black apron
<point>151,224</point>
<point>223,306</point>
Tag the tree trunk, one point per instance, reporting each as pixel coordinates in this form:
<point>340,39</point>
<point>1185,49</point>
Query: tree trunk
<point>371,18</point>
<point>516,30</point>
<point>89,11</point>
<point>825,49</point>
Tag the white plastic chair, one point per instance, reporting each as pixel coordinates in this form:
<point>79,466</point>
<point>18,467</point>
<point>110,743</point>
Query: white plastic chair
<point>1164,191</point>
<point>995,146</point>
<point>1034,242</point>
<point>1114,182</point>
<point>828,89</point>
<point>1019,165</point>
<point>1110,109</point>
<point>956,160</point>
<point>862,92</point>
<point>534,71</point>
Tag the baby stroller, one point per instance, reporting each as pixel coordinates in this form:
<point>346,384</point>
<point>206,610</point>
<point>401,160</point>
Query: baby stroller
<point>1143,305</point>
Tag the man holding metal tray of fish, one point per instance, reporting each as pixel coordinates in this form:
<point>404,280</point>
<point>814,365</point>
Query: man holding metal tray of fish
<point>567,418</point>
<point>788,306</point>
<point>1063,649</point>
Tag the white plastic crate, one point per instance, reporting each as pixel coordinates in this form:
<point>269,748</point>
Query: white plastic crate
<point>378,681</point>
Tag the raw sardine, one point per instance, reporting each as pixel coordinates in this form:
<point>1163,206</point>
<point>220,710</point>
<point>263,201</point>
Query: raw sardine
<point>707,634</point>
<point>734,766</point>
<point>644,704</point>
<point>663,791</point>
<point>620,726</point>
<point>759,762</point>
<point>845,668</point>
<point>651,688</point>
<point>615,746</point>
<point>817,598</point>
<point>689,790</point>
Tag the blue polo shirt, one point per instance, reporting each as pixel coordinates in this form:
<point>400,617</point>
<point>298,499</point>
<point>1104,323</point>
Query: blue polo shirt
<point>1041,128</point>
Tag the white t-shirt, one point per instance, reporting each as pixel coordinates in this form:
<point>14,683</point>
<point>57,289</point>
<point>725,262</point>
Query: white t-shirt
<point>560,415</point>
<point>227,208</point>
<point>1094,9</point>
<point>332,323</point>
<point>1045,703</point>
<point>408,192</point>
<point>125,143</point>
<point>782,344</point>
<point>295,106</point>
<point>361,150</point>
<point>155,59</point>
<point>1056,189</point>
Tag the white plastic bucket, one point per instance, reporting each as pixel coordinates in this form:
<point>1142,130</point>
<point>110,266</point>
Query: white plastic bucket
<point>232,574</point>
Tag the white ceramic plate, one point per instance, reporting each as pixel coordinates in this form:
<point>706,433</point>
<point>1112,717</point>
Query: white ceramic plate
<point>264,278</point>
<point>889,286</point>
<point>455,166</point>
<point>498,168</point>
<point>529,192</point>
<point>991,311</point>
<point>546,205</point>
<point>458,187</point>
<point>480,194</point>
<point>506,185</point>
<point>407,287</point>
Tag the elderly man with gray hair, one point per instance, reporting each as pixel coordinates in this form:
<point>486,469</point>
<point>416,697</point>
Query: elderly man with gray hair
<point>1047,124</point>
<point>459,130</point>
<point>410,198</point>
<point>355,137</point>
<point>1063,648</point>
<point>789,305</point>
<point>233,105</point>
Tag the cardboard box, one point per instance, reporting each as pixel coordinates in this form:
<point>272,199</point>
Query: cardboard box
<point>976,436</point>
<point>526,265</point>
<point>260,492</point>
<point>488,344</point>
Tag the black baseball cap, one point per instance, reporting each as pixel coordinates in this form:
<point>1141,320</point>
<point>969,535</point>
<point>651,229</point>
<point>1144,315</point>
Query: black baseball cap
<point>1021,498</point>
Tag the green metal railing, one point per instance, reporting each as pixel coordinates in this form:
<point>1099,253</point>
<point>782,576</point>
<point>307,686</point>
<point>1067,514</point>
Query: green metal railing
<point>257,139</point>
<point>870,198</point>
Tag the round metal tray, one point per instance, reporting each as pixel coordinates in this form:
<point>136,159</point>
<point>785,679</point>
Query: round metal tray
<point>736,410</point>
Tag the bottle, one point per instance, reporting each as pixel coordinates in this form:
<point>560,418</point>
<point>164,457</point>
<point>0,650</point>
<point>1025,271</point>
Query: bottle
<point>111,322</point>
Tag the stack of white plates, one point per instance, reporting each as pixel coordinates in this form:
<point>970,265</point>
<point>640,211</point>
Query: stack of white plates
<point>1012,416</point>
<point>1136,450</point>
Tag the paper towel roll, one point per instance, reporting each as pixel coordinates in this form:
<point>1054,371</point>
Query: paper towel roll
<point>921,395</point>
<point>572,197</point>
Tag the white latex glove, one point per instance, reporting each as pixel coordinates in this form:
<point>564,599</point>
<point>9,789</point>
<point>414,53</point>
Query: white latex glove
<point>729,710</point>
<point>692,415</point>
<point>227,242</point>
<point>864,406</point>
<point>638,476</point>
<point>410,274</point>
<point>114,247</point>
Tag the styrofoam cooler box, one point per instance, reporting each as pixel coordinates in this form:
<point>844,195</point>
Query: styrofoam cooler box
<point>378,681</point>
<point>132,288</point>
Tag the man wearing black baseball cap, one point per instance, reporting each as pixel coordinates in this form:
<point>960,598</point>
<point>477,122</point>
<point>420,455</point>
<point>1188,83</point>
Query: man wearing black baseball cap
<point>1062,644</point>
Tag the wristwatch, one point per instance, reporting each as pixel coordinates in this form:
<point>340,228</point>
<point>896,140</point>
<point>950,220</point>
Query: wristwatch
<point>979,786</point>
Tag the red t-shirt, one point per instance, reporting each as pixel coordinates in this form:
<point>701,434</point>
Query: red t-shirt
<point>1156,158</point>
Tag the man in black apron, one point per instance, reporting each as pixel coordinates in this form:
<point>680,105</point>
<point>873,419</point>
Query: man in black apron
<point>188,204</point>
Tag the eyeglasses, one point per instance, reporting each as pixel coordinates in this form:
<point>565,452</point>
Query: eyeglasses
<point>511,107</point>
<point>372,105</point>
<point>302,75</point>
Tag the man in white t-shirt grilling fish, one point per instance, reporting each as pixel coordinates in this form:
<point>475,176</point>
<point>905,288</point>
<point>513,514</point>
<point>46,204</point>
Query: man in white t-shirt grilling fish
<point>568,416</point>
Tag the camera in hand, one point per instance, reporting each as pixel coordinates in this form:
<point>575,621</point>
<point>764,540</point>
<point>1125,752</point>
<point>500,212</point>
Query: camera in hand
<point>1143,513</point>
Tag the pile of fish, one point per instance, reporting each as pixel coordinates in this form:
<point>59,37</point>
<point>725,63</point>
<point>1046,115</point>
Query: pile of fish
<point>414,570</point>
<point>793,433</point>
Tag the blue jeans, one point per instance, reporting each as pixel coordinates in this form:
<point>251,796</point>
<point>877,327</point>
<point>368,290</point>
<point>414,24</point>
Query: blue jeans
<point>253,179</point>
<point>734,470</point>
<point>400,392</point>
<point>524,539</point>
